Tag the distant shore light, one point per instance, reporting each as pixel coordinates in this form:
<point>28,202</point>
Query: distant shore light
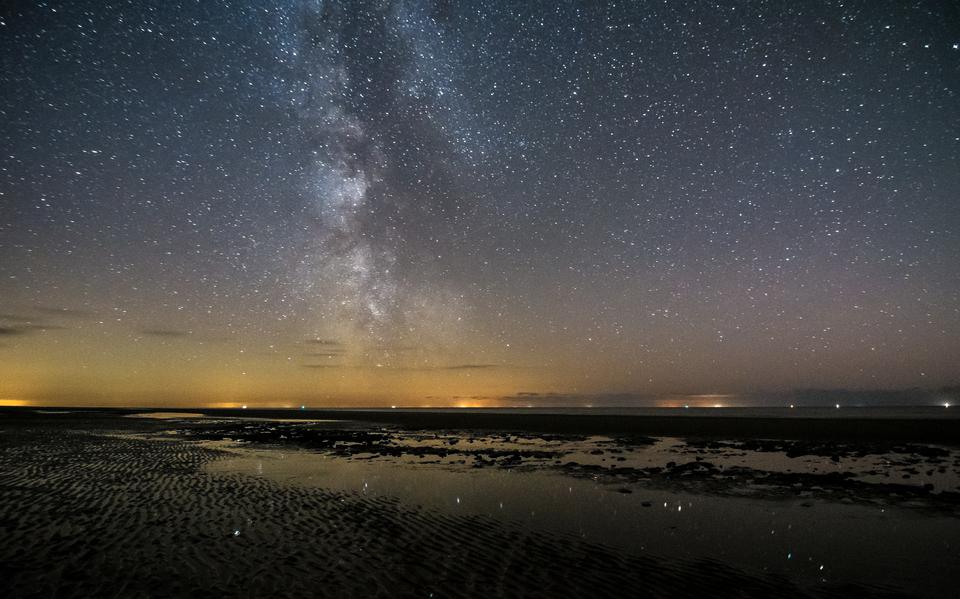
<point>837,406</point>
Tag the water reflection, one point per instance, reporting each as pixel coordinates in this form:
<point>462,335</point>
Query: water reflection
<point>807,542</point>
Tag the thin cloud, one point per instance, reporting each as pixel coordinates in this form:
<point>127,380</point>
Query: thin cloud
<point>164,333</point>
<point>26,329</point>
<point>449,367</point>
<point>15,317</point>
<point>324,342</point>
<point>65,312</point>
<point>45,327</point>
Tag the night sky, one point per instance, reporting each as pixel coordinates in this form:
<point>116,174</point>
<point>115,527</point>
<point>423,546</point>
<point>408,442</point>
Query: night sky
<point>475,203</point>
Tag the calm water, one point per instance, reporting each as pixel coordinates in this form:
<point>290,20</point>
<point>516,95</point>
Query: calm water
<point>810,542</point>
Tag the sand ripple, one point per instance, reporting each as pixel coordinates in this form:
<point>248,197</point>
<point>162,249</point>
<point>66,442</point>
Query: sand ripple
<point>86,515</point>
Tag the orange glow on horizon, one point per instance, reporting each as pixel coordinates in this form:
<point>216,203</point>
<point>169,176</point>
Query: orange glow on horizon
<point>8,402</point>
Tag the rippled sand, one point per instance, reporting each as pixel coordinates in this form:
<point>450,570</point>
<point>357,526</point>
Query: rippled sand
<point>107,508</point>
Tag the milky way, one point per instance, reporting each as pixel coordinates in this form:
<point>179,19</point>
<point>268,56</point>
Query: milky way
<point>456,203</point>
<point>348,258</point>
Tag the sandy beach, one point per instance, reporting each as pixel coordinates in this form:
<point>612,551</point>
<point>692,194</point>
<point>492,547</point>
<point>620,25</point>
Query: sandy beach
<point>99,503</point>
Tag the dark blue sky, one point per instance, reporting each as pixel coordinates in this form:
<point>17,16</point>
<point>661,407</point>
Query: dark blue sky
<point>345,202</point>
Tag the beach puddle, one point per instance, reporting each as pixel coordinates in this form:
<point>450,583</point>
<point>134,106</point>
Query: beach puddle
<point>868,470</point>
<point>808,542</point>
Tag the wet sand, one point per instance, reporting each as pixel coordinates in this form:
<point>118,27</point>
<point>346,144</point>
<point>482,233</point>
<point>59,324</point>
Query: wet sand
<point>95,504</point>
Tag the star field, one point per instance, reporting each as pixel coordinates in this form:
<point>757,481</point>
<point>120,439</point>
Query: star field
<point>446,202</point>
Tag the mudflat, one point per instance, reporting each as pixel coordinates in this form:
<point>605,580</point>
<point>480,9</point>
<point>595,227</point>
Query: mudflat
<point>351,504</point>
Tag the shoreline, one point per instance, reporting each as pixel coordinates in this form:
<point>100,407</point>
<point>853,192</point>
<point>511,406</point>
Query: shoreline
<point>944,430</point>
